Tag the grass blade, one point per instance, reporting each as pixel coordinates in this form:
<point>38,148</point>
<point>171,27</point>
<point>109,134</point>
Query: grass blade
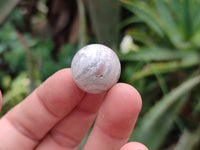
<point>166,67</point>
<point>188,140</point>
<point>128,21</point>
<point>6,7</point>
<point>146,14</point>
<point>169,24</point>
<point>156,54</point>
<point>105,20</point>
<point>156,123</point>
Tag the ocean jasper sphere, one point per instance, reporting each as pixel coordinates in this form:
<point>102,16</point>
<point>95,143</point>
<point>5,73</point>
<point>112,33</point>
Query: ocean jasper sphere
<point>95,68</point>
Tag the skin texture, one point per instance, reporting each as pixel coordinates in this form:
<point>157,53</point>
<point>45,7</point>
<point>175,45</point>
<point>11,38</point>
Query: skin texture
<point>134,146</point>
<point>58,114</point>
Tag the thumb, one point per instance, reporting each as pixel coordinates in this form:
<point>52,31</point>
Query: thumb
<point>134,146</point>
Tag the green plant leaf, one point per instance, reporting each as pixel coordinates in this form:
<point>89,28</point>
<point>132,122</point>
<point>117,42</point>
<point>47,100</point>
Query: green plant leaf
<point>146,14</point>
<point>139,35</point>
<point>105,19</point>
<point>156,53</point>
<point>6,7</point>
<point>149,54</point>
<point>168,23</point>
<point>197,18</point>
<point>166,17</point>
<point>155,125</point>
<point>189,60</point>
<point>177,11</point>
<point>175,19</point>
<point>128,21</point>
<point>188,140</point>
<point>83,39</point>
<point>15,94</point>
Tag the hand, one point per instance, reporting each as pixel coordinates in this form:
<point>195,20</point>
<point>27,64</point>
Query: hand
<point>57,115</point>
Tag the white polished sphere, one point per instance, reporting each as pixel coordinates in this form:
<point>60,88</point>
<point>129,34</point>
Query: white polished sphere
<point>95,68</point>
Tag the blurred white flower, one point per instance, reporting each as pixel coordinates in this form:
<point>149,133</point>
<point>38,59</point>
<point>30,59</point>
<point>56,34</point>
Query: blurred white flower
<point>127,45</point>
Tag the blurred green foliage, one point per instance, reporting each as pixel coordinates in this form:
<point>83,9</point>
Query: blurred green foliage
<point>25,58</point>
<point>161,60</point>
<point>167,34</point>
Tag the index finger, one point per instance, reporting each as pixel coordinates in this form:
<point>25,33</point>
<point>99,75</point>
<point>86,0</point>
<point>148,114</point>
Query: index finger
<point>30,120</point>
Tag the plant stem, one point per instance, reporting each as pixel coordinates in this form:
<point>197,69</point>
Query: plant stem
<point>31,65</point>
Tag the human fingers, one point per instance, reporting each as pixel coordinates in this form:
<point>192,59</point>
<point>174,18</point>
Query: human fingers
<point>134,146</point>
<point>115,119</point>
<point>29,121</point>
<point>69,132</point>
